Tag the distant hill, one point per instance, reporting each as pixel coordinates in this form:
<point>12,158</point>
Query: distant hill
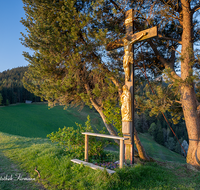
<point>13,74</point>
<point>11,87</point>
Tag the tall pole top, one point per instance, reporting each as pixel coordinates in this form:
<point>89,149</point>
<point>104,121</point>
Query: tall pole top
<point>129,16</point>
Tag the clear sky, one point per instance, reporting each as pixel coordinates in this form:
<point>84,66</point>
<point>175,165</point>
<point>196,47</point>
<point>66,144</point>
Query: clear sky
<point>11,48</point>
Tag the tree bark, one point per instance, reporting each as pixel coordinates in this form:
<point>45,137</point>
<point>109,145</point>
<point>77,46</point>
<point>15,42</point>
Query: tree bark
<point>111,130</point>
<point>108,126</point>
<point>140,148</point>
<point>188,97</point>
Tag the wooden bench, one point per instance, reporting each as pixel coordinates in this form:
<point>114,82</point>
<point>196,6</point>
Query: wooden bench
<point>121,155</point>
<point>93,166</point>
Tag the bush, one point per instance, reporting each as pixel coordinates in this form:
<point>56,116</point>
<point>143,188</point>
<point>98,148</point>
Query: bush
<point>170,144</point>
<point>1,99</point>
<point>152,129</point>
<point>74,141</point>
<point>7,102</point>
<point>156,132</point>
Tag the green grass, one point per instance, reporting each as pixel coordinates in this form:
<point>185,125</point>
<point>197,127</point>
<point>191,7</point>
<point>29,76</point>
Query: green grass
<point>33,120</point>
<point>58,172</point>
<point>159,152</point>
<point>11,171</point>
<point>36,120</point>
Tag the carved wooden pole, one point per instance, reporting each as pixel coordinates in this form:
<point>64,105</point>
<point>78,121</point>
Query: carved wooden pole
<point>128,64</point>
<point>128,126</point>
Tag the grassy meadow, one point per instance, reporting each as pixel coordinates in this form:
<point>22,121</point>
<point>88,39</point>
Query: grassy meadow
<point>24,149</point>
<point>37,120</point>
<point>58,172</point>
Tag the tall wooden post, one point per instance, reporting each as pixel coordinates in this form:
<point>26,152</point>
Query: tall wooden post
<point>130,38</point>
<point>128,126</point>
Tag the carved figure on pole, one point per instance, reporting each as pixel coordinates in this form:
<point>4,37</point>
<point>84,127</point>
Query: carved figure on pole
<point>126,110</point>
<point>128,56</point>
<point>127,97</point>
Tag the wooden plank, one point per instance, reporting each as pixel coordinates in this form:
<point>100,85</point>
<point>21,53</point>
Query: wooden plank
<point>129,17</point>
<point>86,147</point>
<point>105,136</point>
<point>151,32</point>
<point>93,166</point>
<point>121,156</point>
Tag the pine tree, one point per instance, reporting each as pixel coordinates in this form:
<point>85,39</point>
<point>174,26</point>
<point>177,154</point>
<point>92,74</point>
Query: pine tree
<point>178,24</point>
<point>1,99</point>
<point>67,67</point>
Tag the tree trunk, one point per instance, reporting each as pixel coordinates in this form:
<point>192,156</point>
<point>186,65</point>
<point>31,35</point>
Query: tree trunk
<point>111,130</point>
<point>140,148</point>
<point>192,123</point>
<point>188,97</point>
<point>109,127</point>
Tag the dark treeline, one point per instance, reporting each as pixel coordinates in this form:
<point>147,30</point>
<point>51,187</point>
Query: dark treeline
<point>11,87</point>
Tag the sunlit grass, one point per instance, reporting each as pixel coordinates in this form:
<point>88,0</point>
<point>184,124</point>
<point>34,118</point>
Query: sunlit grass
<point>58,172</point>
<point>55,167</point>
<point>158,151</point>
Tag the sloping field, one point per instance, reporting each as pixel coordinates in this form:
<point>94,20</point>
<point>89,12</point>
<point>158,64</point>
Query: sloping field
<point>159,152</point>
<point>36,120</point>
<point>25,154</point>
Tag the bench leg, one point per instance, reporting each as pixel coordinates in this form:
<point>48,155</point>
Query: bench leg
<point>86,147</point>
<point>121,156</point>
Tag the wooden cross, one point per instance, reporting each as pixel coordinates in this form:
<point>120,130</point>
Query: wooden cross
<point>127,42</point>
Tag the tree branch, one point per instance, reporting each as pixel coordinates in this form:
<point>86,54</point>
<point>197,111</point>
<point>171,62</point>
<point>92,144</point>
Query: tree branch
<point>163,61</point>
<point>159,57</point>
<point>177,101</point>
<point>93,101</point>
<point>196,8</point>
<point>168,38</point>
<point>172,58</point>
<point>117,6</point>
<point>116,83</point>
<point>169,3</point>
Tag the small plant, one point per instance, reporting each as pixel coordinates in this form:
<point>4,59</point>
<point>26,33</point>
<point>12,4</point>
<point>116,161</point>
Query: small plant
<point>109,165</point>
<point>1,99</point>
<point>74,141</point>
<point>7,102</point>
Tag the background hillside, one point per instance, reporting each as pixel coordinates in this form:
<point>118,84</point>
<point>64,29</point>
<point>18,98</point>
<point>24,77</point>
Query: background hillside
<point>11,87</point>
<point>36,120</point>
<point>12,92</point>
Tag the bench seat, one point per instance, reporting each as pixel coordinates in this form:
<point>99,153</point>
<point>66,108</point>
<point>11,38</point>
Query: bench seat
<point>93,166</point>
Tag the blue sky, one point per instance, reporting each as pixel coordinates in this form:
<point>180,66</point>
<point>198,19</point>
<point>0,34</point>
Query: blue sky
<point>11,48</point>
